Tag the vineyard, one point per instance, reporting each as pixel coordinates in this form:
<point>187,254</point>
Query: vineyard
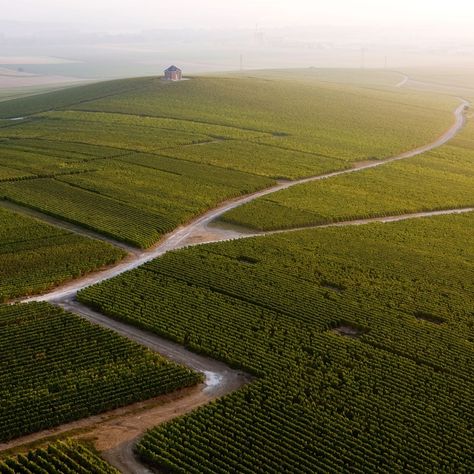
<point>375,314</point>
<point>64,98</point>
<point>123,137</point>
<point>61,457</point>
<point>56,367</point>
<point>134,159</point>
<point>35,256</point>
<point>160,194</point>
<point>357,77</point>
<point>340,121</point>
<point>360,339</point>
<point>440,179</point>
<point>266,160</point>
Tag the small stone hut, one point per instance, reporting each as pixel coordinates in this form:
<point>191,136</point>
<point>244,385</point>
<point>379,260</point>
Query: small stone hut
<point>173,73</point>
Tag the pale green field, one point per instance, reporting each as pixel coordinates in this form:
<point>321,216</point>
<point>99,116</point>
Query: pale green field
<point>135,158</point>
<point>440,179</point>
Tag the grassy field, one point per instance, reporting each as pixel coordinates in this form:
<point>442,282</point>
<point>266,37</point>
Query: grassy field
<point>56,368</point>
<point>35,256</point>
<point>361,338</point>
<point>441,179</point>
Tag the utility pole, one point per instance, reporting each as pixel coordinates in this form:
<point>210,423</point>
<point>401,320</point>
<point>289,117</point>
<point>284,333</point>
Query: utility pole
<point>362,57</point>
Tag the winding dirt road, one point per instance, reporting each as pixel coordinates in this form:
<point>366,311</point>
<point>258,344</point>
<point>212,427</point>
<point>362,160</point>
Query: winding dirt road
<point>218,233</point>
<point>187,234</point>
<point>220,379</point>
<point>403,81</point>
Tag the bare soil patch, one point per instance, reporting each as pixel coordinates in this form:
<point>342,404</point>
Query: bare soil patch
<point>363,164</point>
<point>349,331</point>
<point>332,286</point>
<point>431,318</point>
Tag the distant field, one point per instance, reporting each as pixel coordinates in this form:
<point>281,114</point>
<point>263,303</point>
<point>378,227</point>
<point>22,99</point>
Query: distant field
<point>371,78</point>
<point>56,367</point>
<point>15,83</point>
<point>36,256</point>
<point>441,179</point>
<point>458,77</point>
<point>10,93</point>
<point>326,119</point>
<point>362,338</point>
<point>59,457</point>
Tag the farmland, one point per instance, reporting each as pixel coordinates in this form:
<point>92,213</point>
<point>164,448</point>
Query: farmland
<point>279,307</point>
<point>64,457</point>
<point>352,347</point>
<point>256,158</point>
<point>36,256</point>
<point>57,368</point>
<point>63,98</point>
<point>440,179</point>
<point>329,120</point>
<point>184,148</point>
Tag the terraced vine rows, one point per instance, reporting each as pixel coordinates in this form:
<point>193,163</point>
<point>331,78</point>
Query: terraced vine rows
<point>274,306</point>
<point>35,256</point>
<point>268,414</point>
<point>61,457</point>
<point>55,367</point>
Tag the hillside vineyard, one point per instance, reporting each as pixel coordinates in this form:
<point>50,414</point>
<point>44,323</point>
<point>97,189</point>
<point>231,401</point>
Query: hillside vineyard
<point>164,254</point>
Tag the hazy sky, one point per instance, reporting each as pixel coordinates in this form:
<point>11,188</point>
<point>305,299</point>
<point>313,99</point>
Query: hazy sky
<point>453,15</point>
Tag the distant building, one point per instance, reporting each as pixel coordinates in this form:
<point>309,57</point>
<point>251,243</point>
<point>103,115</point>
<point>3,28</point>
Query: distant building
<point>173,73</point>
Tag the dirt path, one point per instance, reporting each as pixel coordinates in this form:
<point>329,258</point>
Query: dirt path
<point>218,374</point>
<point>117,437</point>
<point>215,232</point>
<point>403,82</point>
<point>193,231</point>
<point>117,430</point>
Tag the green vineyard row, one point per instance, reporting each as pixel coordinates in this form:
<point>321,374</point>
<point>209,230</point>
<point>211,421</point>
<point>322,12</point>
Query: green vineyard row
<point>55,368</point>
<point>59,458</point>
<point>361,339</point>
<point>35,256</point>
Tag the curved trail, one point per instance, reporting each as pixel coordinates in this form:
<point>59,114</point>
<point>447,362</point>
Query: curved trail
<point>218,233</point>
<point>404,80</point>
<point>220,379</point>
<point>183,235</point>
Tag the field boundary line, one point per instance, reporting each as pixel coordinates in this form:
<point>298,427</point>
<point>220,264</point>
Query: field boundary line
<point>182,234</point>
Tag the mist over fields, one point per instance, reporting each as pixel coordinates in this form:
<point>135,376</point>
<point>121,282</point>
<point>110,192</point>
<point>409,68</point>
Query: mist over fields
<point>87,43</point>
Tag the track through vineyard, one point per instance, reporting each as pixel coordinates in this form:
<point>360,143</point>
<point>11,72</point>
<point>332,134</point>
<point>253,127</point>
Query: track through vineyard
<point>199,232</point>
<point>189,233</point>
